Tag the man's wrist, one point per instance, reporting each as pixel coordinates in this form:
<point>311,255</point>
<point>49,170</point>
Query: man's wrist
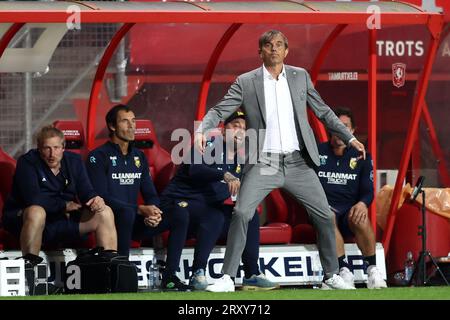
<point>350,141</point>
<point>141,210</point>
<point>200,128</point>
<point>367,205</point>
<point>363,203</point>
<point>228,177</point>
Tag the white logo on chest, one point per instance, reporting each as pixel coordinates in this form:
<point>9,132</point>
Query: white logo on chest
<point>126,178</point>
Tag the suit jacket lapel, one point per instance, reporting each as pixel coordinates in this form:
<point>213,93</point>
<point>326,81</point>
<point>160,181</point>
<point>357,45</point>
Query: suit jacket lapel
<point>258,82</point>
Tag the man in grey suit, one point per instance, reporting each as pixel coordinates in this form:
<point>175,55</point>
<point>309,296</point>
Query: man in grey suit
<point>274,98</point>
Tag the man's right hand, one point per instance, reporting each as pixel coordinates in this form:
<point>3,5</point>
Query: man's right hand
<point>200,142</point>
<point>358,213</point>
<point>152,221</point>
<point>360,147</point>
<point>96,204</point>
<point>233,183</point>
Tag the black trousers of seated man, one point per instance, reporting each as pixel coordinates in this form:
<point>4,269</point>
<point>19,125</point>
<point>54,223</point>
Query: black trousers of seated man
<point>130,226</point>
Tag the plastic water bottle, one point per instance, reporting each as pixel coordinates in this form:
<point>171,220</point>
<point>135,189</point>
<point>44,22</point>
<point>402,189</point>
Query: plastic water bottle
<point>409,267</point>
<point>153,277</point>
<point>316,266</point>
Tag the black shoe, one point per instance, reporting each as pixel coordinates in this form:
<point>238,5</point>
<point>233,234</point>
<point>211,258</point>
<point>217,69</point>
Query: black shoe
<point>31,260</point>
<point>109,254</point>
<point>173,283</point>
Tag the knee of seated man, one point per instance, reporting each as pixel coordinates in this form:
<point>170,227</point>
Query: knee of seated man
<point>34,214</point>
<point>106,214</point>
<point>179,215</point>
<point>361,227</point>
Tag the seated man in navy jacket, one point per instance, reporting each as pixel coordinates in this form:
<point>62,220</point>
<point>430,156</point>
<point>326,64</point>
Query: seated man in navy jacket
<point>119,171</point>
<point>53,201</point>
<point>348,183</point>
<point>200,188</point>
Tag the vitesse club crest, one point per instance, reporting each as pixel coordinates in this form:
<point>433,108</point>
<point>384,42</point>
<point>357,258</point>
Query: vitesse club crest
<point>182,204</point>
<point>238,168</point>
<point>137,161</point>
<point>323,160</point>
<point>353,162</point>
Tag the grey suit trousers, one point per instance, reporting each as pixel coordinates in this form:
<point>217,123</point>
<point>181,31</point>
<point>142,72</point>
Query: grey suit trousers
<point>295,174</point>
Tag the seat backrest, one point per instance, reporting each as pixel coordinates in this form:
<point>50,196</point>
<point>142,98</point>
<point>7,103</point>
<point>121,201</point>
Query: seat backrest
<point>7,169</point>
<point>161,166</point>
<point>74,134</point>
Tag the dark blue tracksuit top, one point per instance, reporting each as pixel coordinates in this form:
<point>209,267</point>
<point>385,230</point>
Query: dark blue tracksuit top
<point>345,180</point>
<point>203,182</point>
<point>118,178</point>
<point>35,184</point>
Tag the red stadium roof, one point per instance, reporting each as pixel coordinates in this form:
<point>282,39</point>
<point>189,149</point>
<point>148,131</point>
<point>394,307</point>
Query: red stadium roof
<point>307,12</point>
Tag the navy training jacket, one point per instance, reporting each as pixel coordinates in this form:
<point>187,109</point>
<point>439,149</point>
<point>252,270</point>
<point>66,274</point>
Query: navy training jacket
<point>119,178</point>
<point>203,181</point>
<point>345,180</point>
<point>35,184</point>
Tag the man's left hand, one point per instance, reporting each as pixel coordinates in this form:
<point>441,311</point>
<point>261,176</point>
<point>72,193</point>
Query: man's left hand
<point>96,204</point>
<point>358,213</point>
<point>149,210</point>
<point>152,214</point>
<point>360,147</point>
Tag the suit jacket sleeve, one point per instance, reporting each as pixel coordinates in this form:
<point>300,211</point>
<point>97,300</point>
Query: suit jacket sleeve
<point>325,114</point>
<point>222,110</point>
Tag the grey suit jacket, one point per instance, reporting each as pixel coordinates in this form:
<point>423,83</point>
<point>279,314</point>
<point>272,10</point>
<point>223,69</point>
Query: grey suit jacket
<point>247,92</point>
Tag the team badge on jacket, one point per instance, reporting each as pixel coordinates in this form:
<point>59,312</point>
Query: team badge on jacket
<point>182,204</point>
<point>238,168</point>
<point>353,162</point>
<point>137,162</point>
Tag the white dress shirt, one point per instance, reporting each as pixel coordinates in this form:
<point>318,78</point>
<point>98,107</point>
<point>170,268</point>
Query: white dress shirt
<point>281,135</point>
